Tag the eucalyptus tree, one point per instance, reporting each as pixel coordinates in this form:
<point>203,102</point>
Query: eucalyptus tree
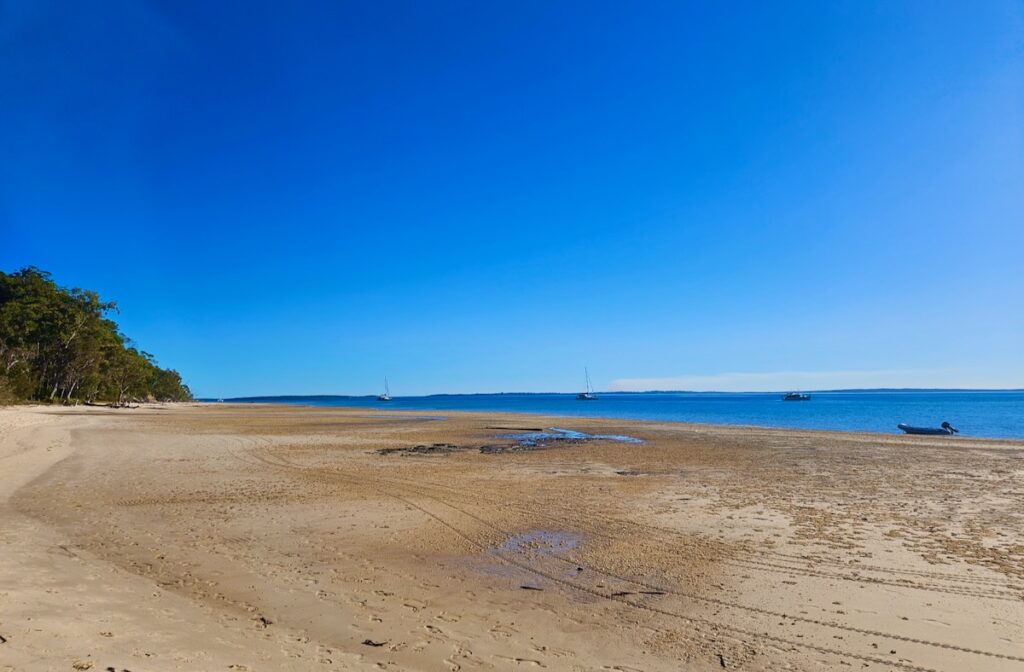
<point>59,344</point>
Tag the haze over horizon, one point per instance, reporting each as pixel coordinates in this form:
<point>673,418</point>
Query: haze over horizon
<point>472,198</point>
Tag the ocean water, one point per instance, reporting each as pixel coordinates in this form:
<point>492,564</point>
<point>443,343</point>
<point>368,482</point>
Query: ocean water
<point>980,414</point>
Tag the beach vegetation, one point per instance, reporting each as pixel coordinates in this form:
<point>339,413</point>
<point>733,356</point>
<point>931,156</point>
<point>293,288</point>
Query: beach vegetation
<point>60,345</point>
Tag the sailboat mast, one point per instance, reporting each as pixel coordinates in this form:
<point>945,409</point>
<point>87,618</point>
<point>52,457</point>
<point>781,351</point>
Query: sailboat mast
<point>588,395</point>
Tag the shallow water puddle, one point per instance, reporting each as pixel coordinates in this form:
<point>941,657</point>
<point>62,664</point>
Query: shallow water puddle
<point>542,438</point>
<point>544,542</point>
<point>520,441</point>
<point>525,558</point>
<point>542,560</point>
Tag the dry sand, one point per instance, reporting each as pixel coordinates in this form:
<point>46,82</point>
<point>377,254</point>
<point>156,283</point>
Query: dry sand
<point>277,538</point>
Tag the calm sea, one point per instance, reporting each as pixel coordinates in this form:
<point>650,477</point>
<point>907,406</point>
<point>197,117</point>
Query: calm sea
<point>987,414</point>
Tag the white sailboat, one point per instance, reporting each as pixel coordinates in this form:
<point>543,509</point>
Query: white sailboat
<point>589,394</point>
<point>387,392</point>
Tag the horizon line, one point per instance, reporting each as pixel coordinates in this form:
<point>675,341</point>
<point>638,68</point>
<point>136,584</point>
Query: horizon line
<point>620,392</point>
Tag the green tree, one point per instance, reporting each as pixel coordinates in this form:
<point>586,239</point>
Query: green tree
<point>58,344</point>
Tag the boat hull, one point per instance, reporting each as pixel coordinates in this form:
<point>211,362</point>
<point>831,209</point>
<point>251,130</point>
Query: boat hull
<point>928,431</point>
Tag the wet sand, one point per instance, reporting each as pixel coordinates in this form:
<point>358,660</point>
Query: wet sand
<point>225,537</point>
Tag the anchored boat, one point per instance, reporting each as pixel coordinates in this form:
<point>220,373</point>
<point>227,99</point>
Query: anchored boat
<point>945,428</point>
<point>387,393</point>
<point>796,396</point>
<point>589,394</point>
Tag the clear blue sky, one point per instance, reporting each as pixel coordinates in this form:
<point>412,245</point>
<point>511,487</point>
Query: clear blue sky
<point>306,197</point>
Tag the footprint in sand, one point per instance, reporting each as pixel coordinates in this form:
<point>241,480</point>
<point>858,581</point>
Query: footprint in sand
<point>502,631</point>
<point>434,630</point>
<point>558,653</point>
<point>522,661</point>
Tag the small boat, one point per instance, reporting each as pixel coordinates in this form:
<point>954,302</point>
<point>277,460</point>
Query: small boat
<point>943,429</point>
<point>589,394</point>
<point>386,396</point>
<point>796,396</point>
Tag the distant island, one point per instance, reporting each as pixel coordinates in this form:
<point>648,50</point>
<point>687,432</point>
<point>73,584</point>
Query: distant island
<point>58,345</point>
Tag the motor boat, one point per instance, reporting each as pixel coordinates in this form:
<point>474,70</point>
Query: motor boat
<point>943,429</point>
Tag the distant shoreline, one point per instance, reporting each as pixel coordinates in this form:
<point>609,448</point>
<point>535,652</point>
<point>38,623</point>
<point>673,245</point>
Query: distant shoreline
<point>865,390</point>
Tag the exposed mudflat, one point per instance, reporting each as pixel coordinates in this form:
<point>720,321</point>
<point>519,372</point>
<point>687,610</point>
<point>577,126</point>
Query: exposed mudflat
<point>248,537</point>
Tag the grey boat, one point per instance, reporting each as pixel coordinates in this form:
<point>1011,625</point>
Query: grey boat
<point>943,429</point>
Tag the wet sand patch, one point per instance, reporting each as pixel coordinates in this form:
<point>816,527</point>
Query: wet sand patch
<point>520,441</point>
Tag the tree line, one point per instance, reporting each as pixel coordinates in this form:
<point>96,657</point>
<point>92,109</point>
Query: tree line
<point>58,344</point>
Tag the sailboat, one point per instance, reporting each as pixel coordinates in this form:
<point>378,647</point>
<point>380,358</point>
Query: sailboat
<point>387,392</point>
<point>589,394</point>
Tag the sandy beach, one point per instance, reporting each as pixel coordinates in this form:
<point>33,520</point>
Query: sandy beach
<point>221,537</point>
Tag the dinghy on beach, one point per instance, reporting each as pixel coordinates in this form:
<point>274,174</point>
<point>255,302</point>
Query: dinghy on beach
<point>945,428</point>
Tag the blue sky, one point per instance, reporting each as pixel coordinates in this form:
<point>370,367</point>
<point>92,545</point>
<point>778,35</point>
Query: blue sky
<point>485,197</point>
